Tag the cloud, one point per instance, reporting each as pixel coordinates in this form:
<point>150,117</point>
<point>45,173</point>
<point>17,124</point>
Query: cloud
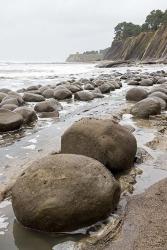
<point>49,30</point>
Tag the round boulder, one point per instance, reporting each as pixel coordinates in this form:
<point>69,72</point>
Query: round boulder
<point>145,108</point>
<point>9,120</point>
<point>48,93</point>
<point>146,82</point>
<point>68,192</point>
<point>84,95</point>
<point>89,86</point>
<point>160,95</point>
<point>103,140</point>
<point>27,114</point>
<point>62,93</point>
<point>9,106</point>
<point>30,97</point>
<point>136,94</point>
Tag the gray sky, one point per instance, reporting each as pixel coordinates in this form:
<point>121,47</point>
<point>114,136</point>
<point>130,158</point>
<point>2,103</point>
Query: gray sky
<point>49,30</point>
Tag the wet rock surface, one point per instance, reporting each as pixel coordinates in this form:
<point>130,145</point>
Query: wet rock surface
<point>9,120</point>
<point>68,192</point>
<point>103,140</point>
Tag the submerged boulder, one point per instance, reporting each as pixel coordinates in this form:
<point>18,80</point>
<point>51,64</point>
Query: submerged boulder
<point>103,140</point>
<point>9,120</point>
<point>136,94</point>
<point>146,107</point>
<point>68,192</point>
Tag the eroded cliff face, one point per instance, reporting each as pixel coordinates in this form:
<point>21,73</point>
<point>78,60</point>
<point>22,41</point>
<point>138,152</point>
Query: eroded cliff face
<point>145,46</point>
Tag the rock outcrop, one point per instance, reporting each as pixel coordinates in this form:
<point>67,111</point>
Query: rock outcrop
<point>147,46</point>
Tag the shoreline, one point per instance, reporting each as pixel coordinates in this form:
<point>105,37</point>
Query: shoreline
<point>34,146</point>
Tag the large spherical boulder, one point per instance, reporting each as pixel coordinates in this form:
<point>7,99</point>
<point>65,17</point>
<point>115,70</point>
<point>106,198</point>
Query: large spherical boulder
<point>28,114</point>
<point>103,140</point>
<point>30,97</point>
<point>61,193</point>
<point>84,95</point>
<point>136,94</point>
<point>145,108</point>
<point>9,120</point>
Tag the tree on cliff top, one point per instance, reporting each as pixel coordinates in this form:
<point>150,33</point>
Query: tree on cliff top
<point>152,23</point>
<point>124,30</point>
<point>153,20</point>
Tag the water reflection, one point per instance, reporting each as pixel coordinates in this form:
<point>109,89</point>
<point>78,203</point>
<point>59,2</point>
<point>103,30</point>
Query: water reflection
<point>17,237</point>
<point>26,239</point>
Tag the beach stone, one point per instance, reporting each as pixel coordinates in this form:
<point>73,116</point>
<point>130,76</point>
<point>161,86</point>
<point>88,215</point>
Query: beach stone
<point>28,114</point>
<point>98,83</point>
<point>89,86</point>
<point>32,88</point>
<point>2,96</point>
<point>45,106</point>
<point>5,90</point>
<point>116,85</point>
<point>43,88</point>
<point>68,192</point>
<point>9,100</point>
<point>10,106</point>
<point>160,95</point>
<point>145,108</point>
<point>159,89</point>
<point>84,95</point>
<point>160,100</point>
<point>62,93</point>
<point>48,93</point>
<point>30,97</point>
<point>74,88</point>
<point>136,94</point>
<point>9,120</point>
<point>53,114</point>
<point>146,82</point>
<point>133,82</point>
<point>103,140</point>
<point>105,88</point>
<point>15,95</point>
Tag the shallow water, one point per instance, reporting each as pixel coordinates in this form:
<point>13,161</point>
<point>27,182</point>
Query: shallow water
<point>44,138</point>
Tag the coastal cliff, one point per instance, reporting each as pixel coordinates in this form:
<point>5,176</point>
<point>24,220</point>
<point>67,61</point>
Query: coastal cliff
<point>146,46</point>
<point>88,56</point>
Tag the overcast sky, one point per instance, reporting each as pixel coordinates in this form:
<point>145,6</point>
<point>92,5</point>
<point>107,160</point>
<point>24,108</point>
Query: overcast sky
<point>49,30</point>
